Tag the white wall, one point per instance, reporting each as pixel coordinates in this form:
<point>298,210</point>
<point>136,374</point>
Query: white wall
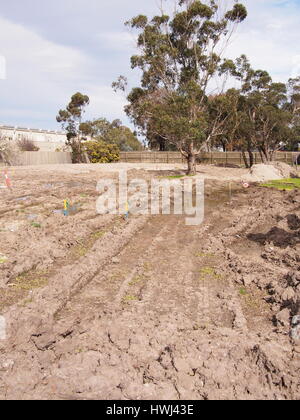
<point>45,140</point>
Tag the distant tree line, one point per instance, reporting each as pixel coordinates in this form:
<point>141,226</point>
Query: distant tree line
<point>183,101</point>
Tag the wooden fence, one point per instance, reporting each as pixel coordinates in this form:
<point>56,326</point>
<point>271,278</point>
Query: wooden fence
<point>44,158</point>
<point>235,158</point>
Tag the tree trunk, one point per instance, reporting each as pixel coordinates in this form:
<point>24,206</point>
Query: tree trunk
<point>191,164</point>
<point>249,163</point>
<point>266,154</point>
<point>251,158</point>
<point>262,156</point>
<point>245,159</point>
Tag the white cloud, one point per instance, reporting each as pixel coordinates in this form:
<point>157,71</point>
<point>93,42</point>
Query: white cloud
<point>117,41</point>
<point>104,102</point>
<point>47,61</point>
<point>39,72</point>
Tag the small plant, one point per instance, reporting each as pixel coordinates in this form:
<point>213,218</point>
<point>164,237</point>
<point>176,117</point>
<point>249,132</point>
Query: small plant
<point>209,272</point>
<point>129,298</point>
<point>204,255</point>
<point>98,235</point>
<point>3,259</point>
<point>135,280</point>
<point>30,280</point>
<point>27,145</point>
<point>243,292</point>
<point>36,225</point>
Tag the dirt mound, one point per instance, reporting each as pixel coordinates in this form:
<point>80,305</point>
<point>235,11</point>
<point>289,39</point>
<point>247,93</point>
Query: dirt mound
<point>276,170</point>
<point>285,170</point>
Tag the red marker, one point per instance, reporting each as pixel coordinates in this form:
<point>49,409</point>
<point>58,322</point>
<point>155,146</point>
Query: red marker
<point>7,180</point>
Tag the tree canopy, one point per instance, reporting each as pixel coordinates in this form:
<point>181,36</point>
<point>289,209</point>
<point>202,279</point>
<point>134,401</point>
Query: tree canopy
<point>179,56</point>
<point>99,130</point>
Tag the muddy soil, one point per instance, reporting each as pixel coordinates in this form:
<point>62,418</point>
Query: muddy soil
<point>149,308</point>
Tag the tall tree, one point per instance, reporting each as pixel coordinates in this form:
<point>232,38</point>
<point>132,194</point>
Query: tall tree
<point>264,105</point>
<point>293,106</point>
<point>71,120</point>
<point>179,57</point>
<point>112,133</point>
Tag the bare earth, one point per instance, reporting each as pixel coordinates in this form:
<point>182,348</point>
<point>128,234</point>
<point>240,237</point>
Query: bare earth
<point>102,308</point>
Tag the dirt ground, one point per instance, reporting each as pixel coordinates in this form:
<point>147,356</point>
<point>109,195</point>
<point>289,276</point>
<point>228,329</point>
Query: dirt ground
<point>98,307</point>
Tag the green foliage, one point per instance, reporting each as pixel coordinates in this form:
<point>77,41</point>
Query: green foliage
<point>101,152</point>
<point>70,119</point>
<point>243,291</point>
<point>178,59</point>
<point>112,133</point>
<point>284,184</point>
<point>36,225</point>
<point>262,115</point>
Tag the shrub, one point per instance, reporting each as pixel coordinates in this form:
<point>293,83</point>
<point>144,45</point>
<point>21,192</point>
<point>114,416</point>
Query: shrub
<point>101,152</point>
<point>27,145</point>
<point>8,151</point>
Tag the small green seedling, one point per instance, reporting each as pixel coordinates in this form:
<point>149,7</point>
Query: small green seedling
<point>36,225</point>
<point>3,259</point>
<point>243,292</point>
<point>129,298</point>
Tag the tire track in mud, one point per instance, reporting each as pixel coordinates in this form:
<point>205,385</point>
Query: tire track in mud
<point>160,272</point>
<point>109,285</point>
<point>163,320</point>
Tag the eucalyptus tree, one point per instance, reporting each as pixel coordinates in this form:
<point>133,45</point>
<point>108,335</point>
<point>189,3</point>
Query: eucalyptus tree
<point>179,56</point>
<point>266,114</point>
<point>294,107</point>
<point>71,121</point>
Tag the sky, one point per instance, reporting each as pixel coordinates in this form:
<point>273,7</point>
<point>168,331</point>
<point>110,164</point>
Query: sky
<point>51,49</point>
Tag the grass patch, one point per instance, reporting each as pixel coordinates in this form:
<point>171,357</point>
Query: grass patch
<point>147,266</point>
<point>243,292</point>
<point>209,272</point>
<point>84,246</point>
<point>174,177</point>
<point>80,251</point>
<point>3,259</point>
<point>31,280</point>
<point>36,225</point>
<point>129,298</point>
<point>136,280</point>
<point>287,184</point>
<point>204,255</point>
<point>98,235</point>
<point>21,286</point>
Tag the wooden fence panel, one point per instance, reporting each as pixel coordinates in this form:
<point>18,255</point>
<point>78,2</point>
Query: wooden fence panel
<point>216,158</point>
<point>44,158</point>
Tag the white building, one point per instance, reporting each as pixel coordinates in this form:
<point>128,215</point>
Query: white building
<point>48,141</point>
